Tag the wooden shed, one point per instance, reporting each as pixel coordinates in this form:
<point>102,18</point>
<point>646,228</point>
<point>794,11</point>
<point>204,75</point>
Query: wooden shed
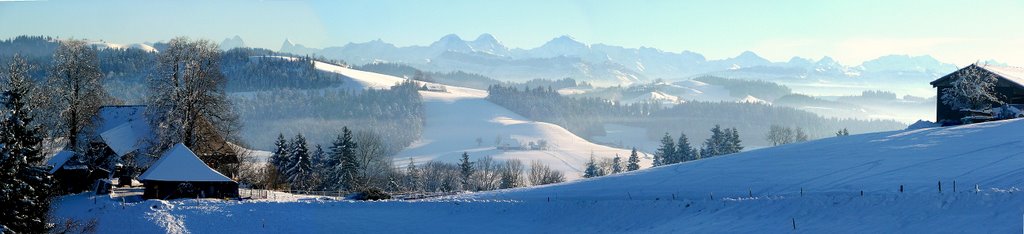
<point>179,173</point>
<point>1010,88</point>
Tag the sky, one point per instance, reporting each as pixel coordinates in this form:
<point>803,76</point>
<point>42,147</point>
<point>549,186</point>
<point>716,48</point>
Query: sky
<point>954,31</point>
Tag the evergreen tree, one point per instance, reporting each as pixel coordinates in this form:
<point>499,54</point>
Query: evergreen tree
<point>349,162</point>
<point>412,176</point>
<point>843,132</point>
<point>715,144</point>
<point>684,151</point>
<point>616,164</point>
<point>466,169</point>
<point>735,145</point>
<point>634,161</point>
<point>24,188</point>
<point>300,166</point>
<point>665,153</point>
<point>280,155</point>
<point>593,170</point>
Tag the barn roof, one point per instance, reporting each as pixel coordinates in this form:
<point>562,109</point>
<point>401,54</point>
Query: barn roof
<point>124,128</point>
<point>1014,75</point>
<point>179,163</point>
<point>58,160</point>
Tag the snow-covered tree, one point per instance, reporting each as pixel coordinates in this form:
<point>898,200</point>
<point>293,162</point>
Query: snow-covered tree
<point>541,174</point>
<point>972,89</point>
<point>593,170</point>
<point>187,102</point>
<point>466,170</point>
<point>346,169</point>
<point>665,154</point>
<point>75,92</point>
<point>512,174</point>
<point>633,161</point>
<point>24,187</point>
<point>412,177</point>
<point>300,166</point>
<point>684,151</point>
<point>616,164</point>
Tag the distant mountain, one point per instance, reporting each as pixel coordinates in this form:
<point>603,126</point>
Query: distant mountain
<point>602,64</point>
<point>231,43</point>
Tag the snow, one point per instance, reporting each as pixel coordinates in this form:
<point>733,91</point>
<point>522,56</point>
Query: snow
<point>124,128</point>
<point>179,163</point>
<point>816,186</point>
<point>57,160</point>
<point>1015,74</point>
<point>455,119</point>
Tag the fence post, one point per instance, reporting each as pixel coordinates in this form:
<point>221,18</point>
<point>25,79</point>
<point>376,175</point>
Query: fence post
<point>901,188</point>
<point>712,194</point>
<point>940,186</point>
<point>794,223</point>
<point>954,186</point>
<point>801,191</point>
<point>750,193</point>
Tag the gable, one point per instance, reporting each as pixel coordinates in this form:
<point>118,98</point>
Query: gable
<point>179,163</point>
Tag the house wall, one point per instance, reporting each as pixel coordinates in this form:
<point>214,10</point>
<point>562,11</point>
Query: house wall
<point>1007,91</point>
<point>170,190</point>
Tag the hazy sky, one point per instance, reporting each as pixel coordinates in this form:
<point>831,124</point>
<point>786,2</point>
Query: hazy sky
<point>850,31</point>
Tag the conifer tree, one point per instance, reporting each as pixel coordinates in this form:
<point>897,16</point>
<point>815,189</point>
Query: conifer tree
<point>24,188</point>
<point>466,169</point>
<point>593,170</point>
<point>634,161</point>
<point>349,168</point>
<point>300,166</point>
<point>666,152</point>
<point>684,151</point>
<point>616,164</point>
<point>412,176</point>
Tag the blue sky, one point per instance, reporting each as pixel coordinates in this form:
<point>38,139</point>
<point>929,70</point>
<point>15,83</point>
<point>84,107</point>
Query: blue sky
<point>851,31</point>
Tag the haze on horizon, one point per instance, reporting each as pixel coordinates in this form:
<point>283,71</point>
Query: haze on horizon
<point>851,32</point>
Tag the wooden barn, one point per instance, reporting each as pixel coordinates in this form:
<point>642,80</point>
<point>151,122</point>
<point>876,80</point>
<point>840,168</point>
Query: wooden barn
<point>71,174</point>
<point>1010,88</point>
<point>179,173</point>
<point>124,132</point>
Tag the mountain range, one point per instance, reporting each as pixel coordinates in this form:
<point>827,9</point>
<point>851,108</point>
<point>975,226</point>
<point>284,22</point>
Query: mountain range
<point>604,64</point>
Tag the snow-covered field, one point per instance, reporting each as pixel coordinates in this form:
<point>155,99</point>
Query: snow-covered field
<point>455,119</point>
<point>711,195</point>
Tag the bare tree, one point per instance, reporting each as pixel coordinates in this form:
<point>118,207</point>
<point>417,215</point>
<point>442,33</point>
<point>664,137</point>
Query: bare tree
<point>779,135</point>
<point>376,168</point>
<point>541,174</point>
<point>75,90</point>
<point>973,89</point>
<point>187,101</point>
<point>512,174</point>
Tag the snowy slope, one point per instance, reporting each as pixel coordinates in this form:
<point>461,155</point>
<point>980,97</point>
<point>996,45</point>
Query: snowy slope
<point>455,119</point>
<point>705,196</point>
<point>987,154</point>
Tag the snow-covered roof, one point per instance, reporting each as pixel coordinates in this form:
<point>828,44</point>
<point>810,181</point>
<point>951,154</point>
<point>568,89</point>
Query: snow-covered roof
<point>1013,74</point>
<point>124,128</point>
<point>179,163</point>
<point>57,160</point>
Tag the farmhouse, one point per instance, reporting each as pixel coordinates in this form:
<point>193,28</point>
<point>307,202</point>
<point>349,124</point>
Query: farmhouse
<point>179,173</point>
<point>1010,88</point>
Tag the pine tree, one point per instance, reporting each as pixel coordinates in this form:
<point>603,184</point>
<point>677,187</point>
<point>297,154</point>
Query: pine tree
<point>349,163</point>
<point>714,145</point>
<point>280,155</point>
<point>300,166</point>
<point>634,161</point>
<point>735,145</point>
<point>412,176</point>
<point>843,132</point>
<point>616,164</point>
<point>24,188</point>
<point>684,151</point>
<point>593,170</point>
<point>466,169</point>
<point>666,152</point>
